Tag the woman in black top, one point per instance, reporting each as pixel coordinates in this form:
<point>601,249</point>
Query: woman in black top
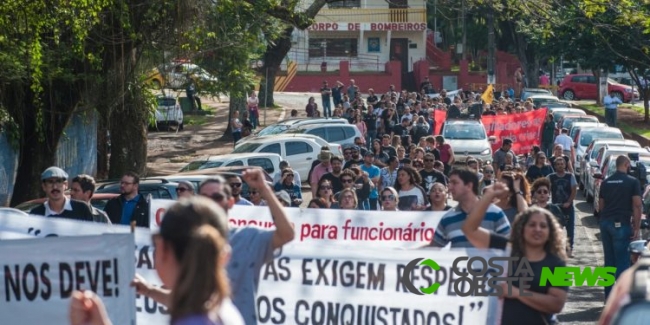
<point>535,235</point>
<point>438,198</point>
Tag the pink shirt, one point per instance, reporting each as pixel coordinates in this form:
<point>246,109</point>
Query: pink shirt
<point>318,172</point>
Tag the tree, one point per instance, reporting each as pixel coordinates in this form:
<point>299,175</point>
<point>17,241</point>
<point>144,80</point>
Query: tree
<point>291,17</point>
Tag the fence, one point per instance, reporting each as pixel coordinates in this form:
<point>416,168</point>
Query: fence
<point>76,153</point>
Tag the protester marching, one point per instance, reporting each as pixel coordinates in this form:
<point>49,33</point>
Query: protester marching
<point>443,208</point>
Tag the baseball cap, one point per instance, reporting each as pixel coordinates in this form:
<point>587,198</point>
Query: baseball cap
<point>283,196</point>
<point>54,172</point>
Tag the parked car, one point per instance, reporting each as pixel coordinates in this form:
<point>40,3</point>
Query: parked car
<point>158,188</point>
<point>198,176</point>
<point>575,128</point>
<point>270,162</point>
<point>585,86</point>
<point>527,92</point>
<point>587,134</point>
<point>168,113</point>
<point>300,150</point>
<point>609,167</point>
<point>567,121</point>
<point>542,100</point>
<point>283,126</point>
<point>467,138</point>
<point>558,113</point>
<point>175,75</point>
<point>98,201</point>
<point>333,133</point>
<point>601,154</point>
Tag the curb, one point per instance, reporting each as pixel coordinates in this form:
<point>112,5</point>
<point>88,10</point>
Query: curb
<point>643,141</point>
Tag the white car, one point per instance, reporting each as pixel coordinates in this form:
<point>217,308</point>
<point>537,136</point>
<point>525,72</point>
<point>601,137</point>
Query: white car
<point>168,112</point>
<point>467,138</point>
<point>333,133</point>
<point>300,150</point>
<point>176,75</point>
<point>586,135</point>
<point>285,125</point>
<point>595,155</point>
<point>270,162</point>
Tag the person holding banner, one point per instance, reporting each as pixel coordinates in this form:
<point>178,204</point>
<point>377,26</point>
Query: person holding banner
<point>190,258</point>
<point>537,236</point>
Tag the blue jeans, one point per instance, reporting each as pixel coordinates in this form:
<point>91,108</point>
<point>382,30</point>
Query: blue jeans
<point>327,108</point>
<point>570,214</point>
<point>616,241</point>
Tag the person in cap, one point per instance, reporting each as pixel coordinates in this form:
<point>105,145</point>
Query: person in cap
<point>321,169</point>
<point>286,185</point>
<point>284,198</point>
<point>355,159</point>
<point>185,189</point>
<point>82,189</point>
<point>54,182</point>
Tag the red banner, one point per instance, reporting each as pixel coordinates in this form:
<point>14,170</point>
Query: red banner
<point>524,129</point>
<point>439,116</point>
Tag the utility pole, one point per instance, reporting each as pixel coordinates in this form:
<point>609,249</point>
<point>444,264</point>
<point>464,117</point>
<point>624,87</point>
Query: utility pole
<point>464,55</point>
<point>491,64</point>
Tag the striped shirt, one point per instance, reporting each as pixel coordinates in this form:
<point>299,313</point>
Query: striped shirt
<point>449,228</point>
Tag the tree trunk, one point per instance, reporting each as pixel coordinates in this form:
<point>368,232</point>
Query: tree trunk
<point>599,96</point>
<point>527,55</point>
<point>645,96</point>
<point>237,103</point>
<point>275,53</point>
<point>128,126</point>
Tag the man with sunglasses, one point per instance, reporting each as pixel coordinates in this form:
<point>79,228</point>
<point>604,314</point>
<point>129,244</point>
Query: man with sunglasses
<point>251,247</point>
<point>430,175</point>
<point>185,189</point>
<point>54,182</point>
<point>235,185</point>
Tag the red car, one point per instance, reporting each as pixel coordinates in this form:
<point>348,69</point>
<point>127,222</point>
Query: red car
<point>585,86</point>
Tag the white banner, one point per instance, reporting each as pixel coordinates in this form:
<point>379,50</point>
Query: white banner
<point>450,94</point>
<point>307,281</point>
<point>40,275</point>
<point>335,227</point>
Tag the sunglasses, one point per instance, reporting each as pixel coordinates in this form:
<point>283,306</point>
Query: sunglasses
<point>235,185</point>
<point>182,189</point>
<point>388,197</point>
<point>216,197</point>
<point>347,180</point>
<point>488,172</point>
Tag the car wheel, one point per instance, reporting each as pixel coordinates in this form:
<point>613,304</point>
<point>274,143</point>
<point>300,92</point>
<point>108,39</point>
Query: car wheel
<point>569,95</point>
<point>618,95</point>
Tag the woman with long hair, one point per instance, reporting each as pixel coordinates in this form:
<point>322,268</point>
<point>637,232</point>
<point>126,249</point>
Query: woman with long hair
<point>536,236</point>
<point>311,107</point>
<point>438,198</point>
<point>516,199</point>
<point>325,192</point>
<point>541,190</point>
<point>411,195</point>
<point>381,158</point>
<point>539,169</point>
<point>190,257</point>
<point>361,125</point>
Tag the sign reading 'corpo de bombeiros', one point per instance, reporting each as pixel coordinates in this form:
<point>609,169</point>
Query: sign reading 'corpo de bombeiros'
<point>416,27</point>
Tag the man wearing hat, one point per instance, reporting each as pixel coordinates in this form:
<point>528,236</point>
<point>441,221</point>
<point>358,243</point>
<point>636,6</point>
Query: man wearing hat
<point>321,169</point>
<point>54,182</point>
<point>373,174</point>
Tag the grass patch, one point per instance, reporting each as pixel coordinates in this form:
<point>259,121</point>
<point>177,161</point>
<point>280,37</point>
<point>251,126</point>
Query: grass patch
<point>197,119</point>
<point>621,125</point>
<point>638,109</point>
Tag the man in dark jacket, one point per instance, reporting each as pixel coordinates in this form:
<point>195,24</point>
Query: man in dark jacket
<point>131,206</point>
<point>54,182</point>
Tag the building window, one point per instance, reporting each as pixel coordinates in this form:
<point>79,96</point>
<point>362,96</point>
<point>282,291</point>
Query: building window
<point>345,4</point>
<point>335,47</point>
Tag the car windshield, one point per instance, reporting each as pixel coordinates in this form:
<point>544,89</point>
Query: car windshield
<point>464,132</point>
<point>296,131</point>
<point>247,147</point>
<point>586,138</point>
<point>195,165</point>
<point>273,129</point>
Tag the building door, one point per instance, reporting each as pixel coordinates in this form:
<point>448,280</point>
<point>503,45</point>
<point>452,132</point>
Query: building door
<point>398,11</point>
<point>399,52</point>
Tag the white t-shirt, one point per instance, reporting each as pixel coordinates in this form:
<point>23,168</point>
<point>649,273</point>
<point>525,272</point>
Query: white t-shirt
<point>565,141</point>
<point>409,199</point>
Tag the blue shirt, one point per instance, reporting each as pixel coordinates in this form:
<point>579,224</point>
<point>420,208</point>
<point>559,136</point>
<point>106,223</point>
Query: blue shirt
<point>128,206</point>
<point>449,228</point>
<point>373,171</point>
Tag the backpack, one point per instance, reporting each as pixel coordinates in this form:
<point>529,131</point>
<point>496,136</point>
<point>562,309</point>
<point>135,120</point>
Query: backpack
<point>637,311</point>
